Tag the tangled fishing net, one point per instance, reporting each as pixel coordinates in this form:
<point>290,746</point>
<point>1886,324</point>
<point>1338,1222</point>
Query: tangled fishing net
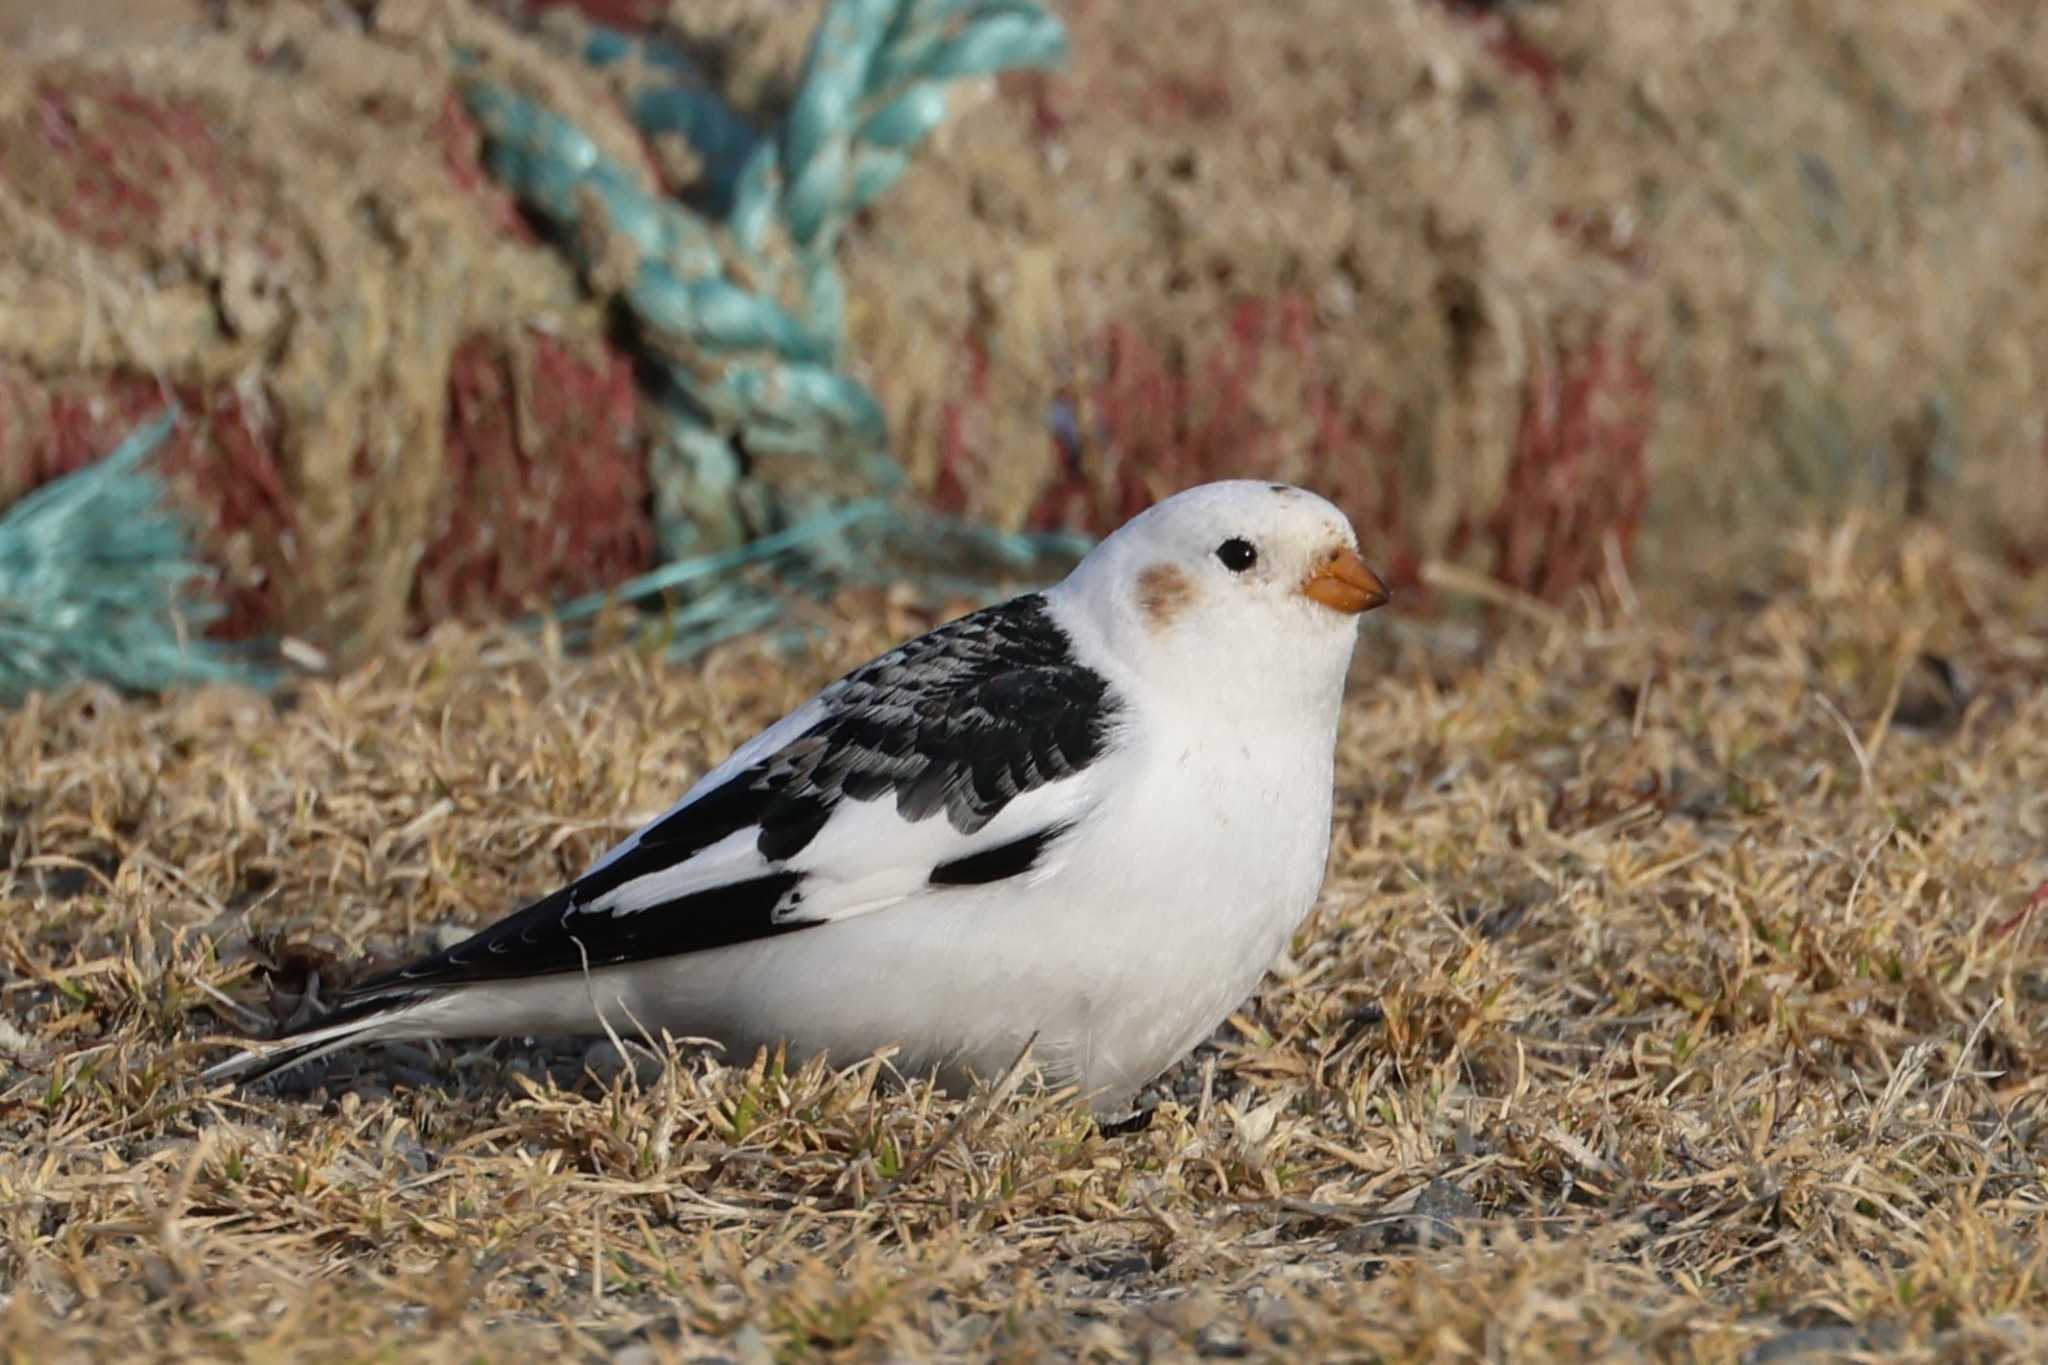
<point>94,570</point>
<point>469,317</point>
<point>449,341</point>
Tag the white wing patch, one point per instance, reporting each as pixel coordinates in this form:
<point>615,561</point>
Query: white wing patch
<point>769,741</point>
<point>732,859</point>
<point>866,858</point>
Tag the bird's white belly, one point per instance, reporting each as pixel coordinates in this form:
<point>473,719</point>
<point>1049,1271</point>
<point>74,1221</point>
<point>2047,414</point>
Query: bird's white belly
<point>1157,919</point>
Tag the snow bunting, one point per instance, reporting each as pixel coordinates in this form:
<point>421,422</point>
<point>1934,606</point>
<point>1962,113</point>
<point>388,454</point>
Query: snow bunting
<point>1084,821</point>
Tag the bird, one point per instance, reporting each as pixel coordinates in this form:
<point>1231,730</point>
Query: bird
<point>1077,825</point>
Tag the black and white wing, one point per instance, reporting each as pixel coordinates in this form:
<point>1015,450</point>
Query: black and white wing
<point>948,761</point>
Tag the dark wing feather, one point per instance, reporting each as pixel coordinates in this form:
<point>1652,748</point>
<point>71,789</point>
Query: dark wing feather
<point>961,721</point>
<point>551,936</point>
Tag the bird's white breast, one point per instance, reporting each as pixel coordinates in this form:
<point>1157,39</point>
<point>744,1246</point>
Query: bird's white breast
<point>1202,863</point>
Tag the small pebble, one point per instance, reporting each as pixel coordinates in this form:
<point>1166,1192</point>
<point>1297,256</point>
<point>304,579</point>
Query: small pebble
<point>602,1060</point>
<point>446,936</point>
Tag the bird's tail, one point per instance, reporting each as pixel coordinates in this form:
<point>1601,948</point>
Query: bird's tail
<point>374,1016</point>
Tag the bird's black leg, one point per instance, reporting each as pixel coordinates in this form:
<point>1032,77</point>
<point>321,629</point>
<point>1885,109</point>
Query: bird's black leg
<point>1137,1122</point>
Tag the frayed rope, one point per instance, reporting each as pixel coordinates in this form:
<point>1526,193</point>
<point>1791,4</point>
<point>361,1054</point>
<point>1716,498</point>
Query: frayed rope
<point>739,314</point>
<point>96,581</point>
<point>739,308</point>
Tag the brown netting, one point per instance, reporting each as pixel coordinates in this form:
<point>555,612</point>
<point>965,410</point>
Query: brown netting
<point>1510,282</point>
<point>1503,279</point>
<point>401,405</point>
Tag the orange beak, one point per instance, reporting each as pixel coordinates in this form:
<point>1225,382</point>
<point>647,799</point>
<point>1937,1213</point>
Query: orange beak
<point>1341,582</point>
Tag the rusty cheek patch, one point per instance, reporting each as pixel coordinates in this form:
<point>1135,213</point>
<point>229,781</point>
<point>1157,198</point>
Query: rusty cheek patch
<point>1164,591</point>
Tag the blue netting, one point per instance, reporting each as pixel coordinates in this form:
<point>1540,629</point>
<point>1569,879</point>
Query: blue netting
<point>96,575</point>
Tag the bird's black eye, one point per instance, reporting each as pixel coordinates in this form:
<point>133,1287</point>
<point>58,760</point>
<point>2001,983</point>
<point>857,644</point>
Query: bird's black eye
<point>1237,554</point>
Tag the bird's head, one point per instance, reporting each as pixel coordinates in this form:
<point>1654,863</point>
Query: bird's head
<point>1243,585</point>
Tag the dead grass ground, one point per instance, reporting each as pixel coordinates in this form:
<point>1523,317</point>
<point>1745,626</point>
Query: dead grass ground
<point>1673,995</point>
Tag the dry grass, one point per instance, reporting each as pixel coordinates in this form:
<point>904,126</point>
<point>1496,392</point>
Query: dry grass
<point>1673,994</point>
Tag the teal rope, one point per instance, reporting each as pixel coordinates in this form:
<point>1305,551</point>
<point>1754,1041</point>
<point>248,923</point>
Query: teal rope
<point>737,300</point>
<point>95,579</point>
<point>740,313</point>
<point>676,99</point>
<point>873,86</point>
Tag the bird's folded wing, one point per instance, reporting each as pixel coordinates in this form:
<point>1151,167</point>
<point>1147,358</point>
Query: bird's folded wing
<point>960,759</point>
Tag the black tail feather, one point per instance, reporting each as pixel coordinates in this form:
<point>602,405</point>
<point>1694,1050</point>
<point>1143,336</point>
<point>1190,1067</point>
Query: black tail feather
<point>322,1034</point>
